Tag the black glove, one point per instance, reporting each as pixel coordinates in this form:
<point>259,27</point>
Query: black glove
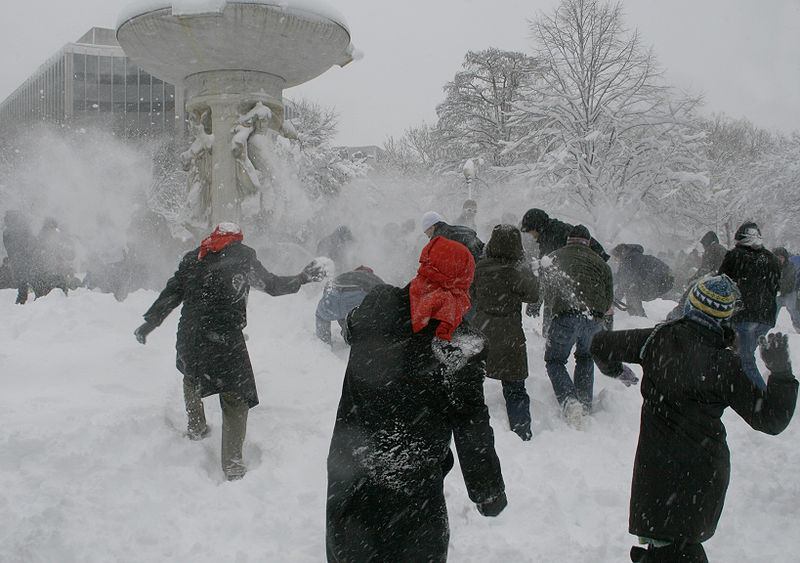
<point>142,332</point>
<point>775,352</point>
<point>314,271</point>
<point>627,376</point>
<point>532,309</point>
<point>493,506</point>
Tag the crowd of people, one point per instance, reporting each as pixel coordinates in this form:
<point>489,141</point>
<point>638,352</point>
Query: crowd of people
<point>419,354</point>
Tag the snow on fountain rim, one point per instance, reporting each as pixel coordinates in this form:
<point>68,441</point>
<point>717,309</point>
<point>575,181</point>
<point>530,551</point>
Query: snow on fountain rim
<point>192,7</point>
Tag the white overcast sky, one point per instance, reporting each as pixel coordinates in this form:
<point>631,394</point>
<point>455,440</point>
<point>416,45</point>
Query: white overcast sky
<point>742,55</point>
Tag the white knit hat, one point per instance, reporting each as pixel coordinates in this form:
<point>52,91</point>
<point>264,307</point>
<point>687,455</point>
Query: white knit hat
<point>430,219</point>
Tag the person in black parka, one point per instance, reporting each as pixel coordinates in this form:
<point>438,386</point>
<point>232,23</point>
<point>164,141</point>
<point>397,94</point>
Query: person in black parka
<point>502,283</point>
<point>23,252</point>
<point>691,375</point>
<point>713,255</point>
<point>212,283</point>
<point>414,382</point>
<point>757,273</point>
<point>433,225</point>
<point>640,277</point>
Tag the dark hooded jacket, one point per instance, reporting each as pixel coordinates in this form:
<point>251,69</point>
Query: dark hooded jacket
<point>210,346</point>
<point>788,271</point>
<point>502,283</point>
<point>757,273</point>
<point>462,234</point>
<point>20,244</point>
<point>405,396</point>
<point>649,274</point>
<point>713,254</point>
<point>682,465</point>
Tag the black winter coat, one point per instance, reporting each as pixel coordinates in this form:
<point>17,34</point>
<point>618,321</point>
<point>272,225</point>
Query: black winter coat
<point>682,464</point>
<point>757,273</point>
<point>462,234</point>
<point>210,346</point>
<point>713,255</point>
<point>498,291</point>
<point>647,273</point>
<point>554,236</point>
<point>404,396</point>
<point>788,277</point>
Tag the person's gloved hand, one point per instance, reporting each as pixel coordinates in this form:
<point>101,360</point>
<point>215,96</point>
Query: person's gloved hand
<point>493,506</point>
<point>775,352</point>
<point>314,271</point>
<point>532,309</point>
<point>627,376</point>
<point>142,332</point>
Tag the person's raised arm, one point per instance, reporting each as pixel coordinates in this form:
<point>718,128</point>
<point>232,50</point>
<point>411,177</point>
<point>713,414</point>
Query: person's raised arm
<point>767,411</point>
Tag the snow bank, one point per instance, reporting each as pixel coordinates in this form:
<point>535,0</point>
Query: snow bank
<point>95,467</point>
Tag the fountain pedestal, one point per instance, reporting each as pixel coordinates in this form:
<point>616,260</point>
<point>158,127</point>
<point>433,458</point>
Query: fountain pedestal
<point>234,60</point>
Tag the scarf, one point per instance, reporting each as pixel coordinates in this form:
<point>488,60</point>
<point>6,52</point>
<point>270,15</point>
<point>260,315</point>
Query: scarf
<point>440,290</point>
<point>223,235</point>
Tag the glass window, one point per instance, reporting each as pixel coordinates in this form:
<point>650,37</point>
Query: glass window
<point>92,86</point>
<point>105,77</point>
<point>78,67</point>
<point>158,95</point>
<point>169,98</point>
<point>118,85</point>
<point>144,92</point>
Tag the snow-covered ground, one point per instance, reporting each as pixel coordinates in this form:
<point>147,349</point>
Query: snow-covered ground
<point>94,467</point>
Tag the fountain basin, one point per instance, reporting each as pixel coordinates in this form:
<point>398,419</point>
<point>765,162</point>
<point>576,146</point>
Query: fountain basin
<point>292,41</point>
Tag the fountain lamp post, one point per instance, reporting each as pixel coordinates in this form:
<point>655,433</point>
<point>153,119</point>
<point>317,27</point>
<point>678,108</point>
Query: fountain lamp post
<point>234,58</point>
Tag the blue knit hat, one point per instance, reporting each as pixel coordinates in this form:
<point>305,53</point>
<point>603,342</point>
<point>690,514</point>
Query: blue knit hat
<point>714,297</point>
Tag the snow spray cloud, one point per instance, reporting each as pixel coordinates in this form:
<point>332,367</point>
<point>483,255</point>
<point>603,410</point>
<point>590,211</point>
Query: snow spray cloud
<point>89,181</point>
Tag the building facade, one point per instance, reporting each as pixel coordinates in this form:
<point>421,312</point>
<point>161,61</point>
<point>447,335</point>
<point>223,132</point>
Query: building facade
<point>92,83</point>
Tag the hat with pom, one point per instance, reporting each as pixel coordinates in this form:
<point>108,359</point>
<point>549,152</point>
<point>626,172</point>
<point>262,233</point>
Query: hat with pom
<point>714,297</point>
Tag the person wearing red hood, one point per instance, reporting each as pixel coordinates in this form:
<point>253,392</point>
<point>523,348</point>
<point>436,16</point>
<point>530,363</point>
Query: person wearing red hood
<point>414,381</point>
<point>213,282</point>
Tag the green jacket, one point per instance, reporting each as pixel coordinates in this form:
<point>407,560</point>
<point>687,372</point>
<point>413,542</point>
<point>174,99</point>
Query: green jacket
<point>577,280</point>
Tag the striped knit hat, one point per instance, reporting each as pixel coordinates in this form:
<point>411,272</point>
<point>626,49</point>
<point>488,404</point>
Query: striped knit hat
<point>715,297</point>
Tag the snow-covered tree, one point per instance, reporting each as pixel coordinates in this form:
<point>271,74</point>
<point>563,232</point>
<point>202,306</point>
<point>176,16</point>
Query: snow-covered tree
<point>475,116</point>
<point>322,169</point>
<point>615,138</point>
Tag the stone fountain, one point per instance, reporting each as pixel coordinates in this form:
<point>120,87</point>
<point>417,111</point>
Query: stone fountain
<point>234,58</point>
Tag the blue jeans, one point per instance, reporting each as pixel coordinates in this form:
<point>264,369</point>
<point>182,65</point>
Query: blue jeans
<point>748,342</point>
<point>565,332</point>
<point>790,302</point>
<point>334,305</point>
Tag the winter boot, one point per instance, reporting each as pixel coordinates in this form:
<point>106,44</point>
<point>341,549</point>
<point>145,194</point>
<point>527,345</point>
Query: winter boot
<point>523,431</point>
<point>198,433</point>
<point>573,413</point>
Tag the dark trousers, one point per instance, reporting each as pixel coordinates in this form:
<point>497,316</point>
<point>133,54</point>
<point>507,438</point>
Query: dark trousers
<point>673,553</point>
<point>234,425</point>
<point>518,406</point>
